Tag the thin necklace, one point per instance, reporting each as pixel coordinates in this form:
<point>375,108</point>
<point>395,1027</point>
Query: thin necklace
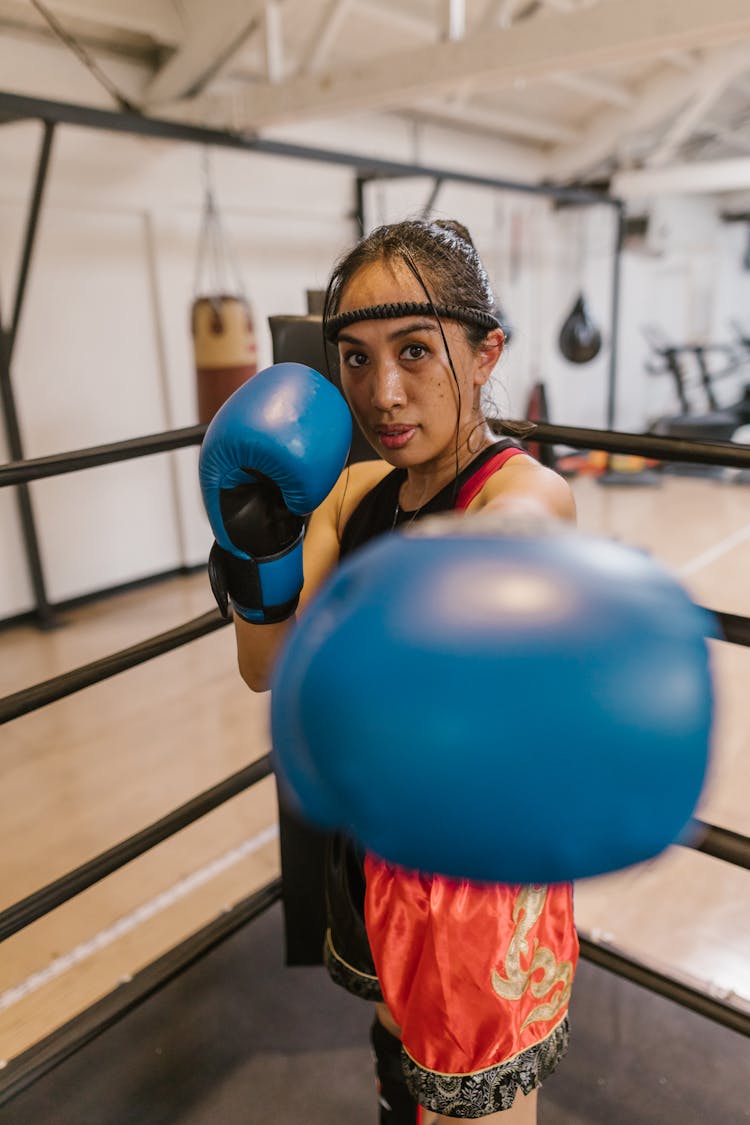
<point>413,515</point>
<point>411,518</point>
<point>427,501</point>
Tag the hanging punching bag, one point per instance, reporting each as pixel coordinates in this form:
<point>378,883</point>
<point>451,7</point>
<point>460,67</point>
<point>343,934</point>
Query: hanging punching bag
<point>580,338</point>
<point>224,349</point>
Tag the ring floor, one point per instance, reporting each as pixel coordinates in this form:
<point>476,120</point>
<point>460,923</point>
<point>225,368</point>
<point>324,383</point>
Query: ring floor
<point>241,1040</point>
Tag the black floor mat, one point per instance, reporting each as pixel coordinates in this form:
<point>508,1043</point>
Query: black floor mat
<point>239,1040</point>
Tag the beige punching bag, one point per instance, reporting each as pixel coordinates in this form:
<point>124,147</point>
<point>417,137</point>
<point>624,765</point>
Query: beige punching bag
<point>224,349</point>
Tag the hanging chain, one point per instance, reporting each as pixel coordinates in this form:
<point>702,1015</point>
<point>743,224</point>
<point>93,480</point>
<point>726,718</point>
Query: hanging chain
<point>215,257</point>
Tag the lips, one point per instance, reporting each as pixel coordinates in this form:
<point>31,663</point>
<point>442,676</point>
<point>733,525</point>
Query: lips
<point>395,437</point>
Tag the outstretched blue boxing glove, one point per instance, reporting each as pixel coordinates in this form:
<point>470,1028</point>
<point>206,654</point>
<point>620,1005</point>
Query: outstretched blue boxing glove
<point>269,457</point>
<point>519,706</point>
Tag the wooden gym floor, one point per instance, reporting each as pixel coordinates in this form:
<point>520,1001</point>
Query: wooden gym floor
<point>82,774</point>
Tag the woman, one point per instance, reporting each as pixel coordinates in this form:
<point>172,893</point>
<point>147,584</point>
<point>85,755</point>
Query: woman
<point>476,978</point>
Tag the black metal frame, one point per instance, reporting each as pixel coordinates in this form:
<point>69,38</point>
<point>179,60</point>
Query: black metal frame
<point>45,615</point>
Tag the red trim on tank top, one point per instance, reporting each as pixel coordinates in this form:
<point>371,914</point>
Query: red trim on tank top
<point>474,485</point>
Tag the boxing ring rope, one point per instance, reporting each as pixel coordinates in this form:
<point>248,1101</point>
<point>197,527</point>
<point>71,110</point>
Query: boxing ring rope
<point>27,1067</point>
<point>58,687</point>
<point>721,843</point>
<point>611,441</point>
<point>20,472</point>
<point>724,453</point>
<point>48,898</point>
<point>717,842</point>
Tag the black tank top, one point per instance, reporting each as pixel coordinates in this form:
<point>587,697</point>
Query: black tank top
<point>379,511</point>
<point>317,865</point>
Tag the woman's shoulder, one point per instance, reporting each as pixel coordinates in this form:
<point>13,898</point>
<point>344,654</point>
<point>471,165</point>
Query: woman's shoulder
<point>523,478</point>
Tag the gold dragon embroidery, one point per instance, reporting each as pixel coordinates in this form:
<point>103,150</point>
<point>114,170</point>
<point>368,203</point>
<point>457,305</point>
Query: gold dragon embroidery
<point>517,979</point>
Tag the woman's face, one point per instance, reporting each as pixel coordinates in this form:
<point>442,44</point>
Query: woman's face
<point>396,376</point>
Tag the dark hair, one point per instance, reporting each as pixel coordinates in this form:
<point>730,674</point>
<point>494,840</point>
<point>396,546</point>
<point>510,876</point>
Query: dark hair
<point>441,255</point>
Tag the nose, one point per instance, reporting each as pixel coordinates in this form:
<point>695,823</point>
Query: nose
<point>387,388</point>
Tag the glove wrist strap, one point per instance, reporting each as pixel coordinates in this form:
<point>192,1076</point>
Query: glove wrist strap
<point>238,581</point>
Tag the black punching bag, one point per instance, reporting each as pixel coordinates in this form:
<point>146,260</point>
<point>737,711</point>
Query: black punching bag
<point>580,338</point>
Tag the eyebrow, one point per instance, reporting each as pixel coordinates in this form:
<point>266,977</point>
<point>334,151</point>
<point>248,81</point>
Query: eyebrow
<point>415,326</point>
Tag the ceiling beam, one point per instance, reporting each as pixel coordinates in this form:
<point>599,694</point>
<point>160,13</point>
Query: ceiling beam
<point>601,89</point>
<point>687,121</point>
<point>617,32</point>
<point>684,179</point>
<point>724,132</point>
<point>501,12</point>
<point>742,85</point>
<point>495,120</point>
<point>395,18</point>
<point>273,41</point>
<point>658,99</point>
<point>157,18</point>
<point>683,60</point>
<point>215,33</point>
<point>322,39</point>
<point>454,20</point>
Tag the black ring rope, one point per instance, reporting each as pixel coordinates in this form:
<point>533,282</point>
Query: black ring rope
<point>735,628</point>
<point>23,1070</point>
<point>612,441</point>
<point>54,894</point>
<point>49,691</point>
<point>19,472</point>
<point>720,843</point>
<point>663,985</point>
<point>724,453</point>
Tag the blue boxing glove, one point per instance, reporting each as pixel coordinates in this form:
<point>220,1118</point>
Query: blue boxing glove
<point>269,457</point>
<point>518,705</point>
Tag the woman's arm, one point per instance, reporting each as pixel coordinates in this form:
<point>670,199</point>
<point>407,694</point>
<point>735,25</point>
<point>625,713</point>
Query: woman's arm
<point>524,487</point>
<point>258,646</point>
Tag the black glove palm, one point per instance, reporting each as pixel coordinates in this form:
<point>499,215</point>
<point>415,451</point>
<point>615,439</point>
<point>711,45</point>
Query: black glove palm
<point>259,523</point>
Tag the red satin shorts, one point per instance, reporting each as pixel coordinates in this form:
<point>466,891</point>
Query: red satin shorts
<point>478,977</point>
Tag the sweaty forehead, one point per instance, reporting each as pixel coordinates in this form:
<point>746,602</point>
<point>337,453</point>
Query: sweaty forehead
<point>380,283</point>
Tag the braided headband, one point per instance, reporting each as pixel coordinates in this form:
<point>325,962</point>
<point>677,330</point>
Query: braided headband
<point>391,311</point>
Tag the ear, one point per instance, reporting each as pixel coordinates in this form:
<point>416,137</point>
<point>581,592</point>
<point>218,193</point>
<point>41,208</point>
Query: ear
<point>488,353</point>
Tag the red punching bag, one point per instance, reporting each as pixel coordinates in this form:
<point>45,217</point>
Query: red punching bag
<point>224,349</point>
<point>221,322</point>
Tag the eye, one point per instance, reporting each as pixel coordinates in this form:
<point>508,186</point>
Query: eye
<point>414,351</point>
<point>355,359</point>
